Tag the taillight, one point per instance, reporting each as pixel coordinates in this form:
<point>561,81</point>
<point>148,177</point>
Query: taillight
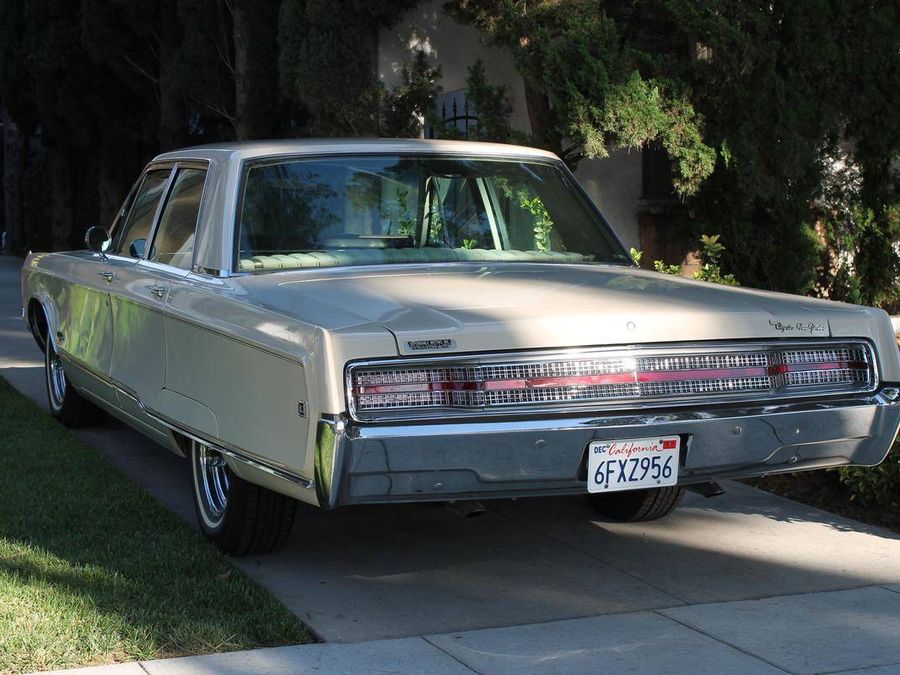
<point>585,378</point>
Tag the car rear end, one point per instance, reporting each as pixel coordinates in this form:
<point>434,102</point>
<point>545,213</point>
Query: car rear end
<point>596,420</point>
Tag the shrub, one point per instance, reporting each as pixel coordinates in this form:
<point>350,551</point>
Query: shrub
<point>877,486</point>
<point>666,268</point>
<point>710,252</point>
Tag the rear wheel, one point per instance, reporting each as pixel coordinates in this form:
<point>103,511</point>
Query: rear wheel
<point>66,404</point>
<point>239,517</point>
<point>637,505</point>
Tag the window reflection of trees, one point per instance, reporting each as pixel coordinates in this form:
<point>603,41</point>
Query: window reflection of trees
<point>298,206</point>
<point>286,206</point>
<point>137,226</point>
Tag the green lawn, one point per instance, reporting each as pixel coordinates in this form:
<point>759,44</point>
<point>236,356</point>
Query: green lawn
<point>93,570</point>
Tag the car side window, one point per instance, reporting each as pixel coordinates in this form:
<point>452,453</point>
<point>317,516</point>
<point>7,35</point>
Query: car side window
<point>131,238</point>
<point>173,243</point>
<point>122,214</point>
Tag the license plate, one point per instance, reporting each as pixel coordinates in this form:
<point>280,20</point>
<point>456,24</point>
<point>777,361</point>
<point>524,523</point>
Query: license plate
<point>633,463</point>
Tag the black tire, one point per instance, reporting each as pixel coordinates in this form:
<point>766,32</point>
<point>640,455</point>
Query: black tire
<point>240,518</point>
<point>66,404</point>
<point>636,505</point>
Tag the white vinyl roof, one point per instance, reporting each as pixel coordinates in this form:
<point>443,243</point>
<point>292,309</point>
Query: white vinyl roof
<point>255,149</point>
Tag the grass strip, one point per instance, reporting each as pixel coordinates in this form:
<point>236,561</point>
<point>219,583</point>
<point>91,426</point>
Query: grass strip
<point>93,570</point>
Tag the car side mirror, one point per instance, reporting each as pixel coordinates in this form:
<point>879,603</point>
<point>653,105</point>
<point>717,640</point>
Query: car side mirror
<point>136,250</point>
<point>97,239</point>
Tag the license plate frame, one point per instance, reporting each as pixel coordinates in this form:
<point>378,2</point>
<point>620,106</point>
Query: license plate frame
<point>616,465</point>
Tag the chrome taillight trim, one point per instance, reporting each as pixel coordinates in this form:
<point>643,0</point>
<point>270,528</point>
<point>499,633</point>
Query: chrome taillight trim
<point>748,355</point>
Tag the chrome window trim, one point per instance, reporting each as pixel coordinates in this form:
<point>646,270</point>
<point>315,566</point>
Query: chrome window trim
<point>164,198</point>
<point>121,258</point>
<point>212,272</point>
<point>125,208</point>
<point>163,269</point>
<point>633,351</point>
<point>200,165</point>
<point>491,214</point>
<point>153,166</point>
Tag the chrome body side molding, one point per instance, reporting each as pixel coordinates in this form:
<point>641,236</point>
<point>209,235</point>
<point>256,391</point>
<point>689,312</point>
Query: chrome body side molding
<point>226,449</point>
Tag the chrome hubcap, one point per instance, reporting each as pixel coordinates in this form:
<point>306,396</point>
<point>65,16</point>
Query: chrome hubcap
<point>56,378</point>
<point>211,476</point>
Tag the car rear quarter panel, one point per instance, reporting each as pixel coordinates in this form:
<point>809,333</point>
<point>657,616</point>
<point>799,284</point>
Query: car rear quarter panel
<point>255,379</point>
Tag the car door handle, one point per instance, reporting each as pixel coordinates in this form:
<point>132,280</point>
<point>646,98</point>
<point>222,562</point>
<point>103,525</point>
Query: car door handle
<point>106,275</point>
<point>158,291</point>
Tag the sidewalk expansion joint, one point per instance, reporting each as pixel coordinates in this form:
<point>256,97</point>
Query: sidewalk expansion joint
<point>726,643</point>
<point>861,669</point>
<point>452,656</point>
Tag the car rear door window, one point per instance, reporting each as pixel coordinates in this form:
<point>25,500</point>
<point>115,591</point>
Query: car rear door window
<point>173,243</point>
<point>131,239</point>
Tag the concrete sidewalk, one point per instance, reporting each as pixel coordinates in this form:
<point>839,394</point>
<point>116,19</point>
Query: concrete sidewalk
<point>723,585</point>
<point>853,631</point>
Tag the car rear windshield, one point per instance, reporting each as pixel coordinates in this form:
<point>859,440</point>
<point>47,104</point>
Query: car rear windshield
<point>375,209</point>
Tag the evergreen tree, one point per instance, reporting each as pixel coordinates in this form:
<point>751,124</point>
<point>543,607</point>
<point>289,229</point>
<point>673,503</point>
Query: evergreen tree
<point>585,81</point>
<point>775,87</point>
<point>329,61</point>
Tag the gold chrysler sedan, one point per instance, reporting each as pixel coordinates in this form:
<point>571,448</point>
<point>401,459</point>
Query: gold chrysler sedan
<point>358,322</point>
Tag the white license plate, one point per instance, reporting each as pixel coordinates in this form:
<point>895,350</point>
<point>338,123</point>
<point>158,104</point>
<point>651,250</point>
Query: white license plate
<point>633,463</point>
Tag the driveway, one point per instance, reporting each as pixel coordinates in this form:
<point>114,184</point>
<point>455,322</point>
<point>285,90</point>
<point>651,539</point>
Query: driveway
<point>368,573</point>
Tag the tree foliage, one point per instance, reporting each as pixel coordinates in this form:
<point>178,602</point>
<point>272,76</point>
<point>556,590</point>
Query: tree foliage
<point>710,252</point>
<point>95,88</point>
<point>592,86</point>
<point>405,110</point>
<point>492,104</point>
<point>329,54</point>
<point>788,83</point>
<point>776,88</point>
<point>781,118</point>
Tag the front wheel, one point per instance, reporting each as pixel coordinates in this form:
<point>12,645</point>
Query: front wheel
<point>637,505</point>
<point>240,518</point>
<point>66,404</point>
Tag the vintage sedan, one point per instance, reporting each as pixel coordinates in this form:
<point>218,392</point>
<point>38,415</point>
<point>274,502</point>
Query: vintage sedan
<point>359,322</point>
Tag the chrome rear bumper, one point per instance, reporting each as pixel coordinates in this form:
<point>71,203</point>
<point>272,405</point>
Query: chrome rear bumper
<point>521,457</point>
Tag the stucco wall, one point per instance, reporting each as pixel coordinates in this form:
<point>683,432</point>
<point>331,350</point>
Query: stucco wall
<point>454,47</point>
<point>613,183</point>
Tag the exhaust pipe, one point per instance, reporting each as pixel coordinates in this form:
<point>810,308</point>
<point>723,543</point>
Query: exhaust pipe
<point>466,509</point>
<point>709,489</point>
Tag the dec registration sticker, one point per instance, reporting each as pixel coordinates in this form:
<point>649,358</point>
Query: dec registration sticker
<point>632,464</point>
